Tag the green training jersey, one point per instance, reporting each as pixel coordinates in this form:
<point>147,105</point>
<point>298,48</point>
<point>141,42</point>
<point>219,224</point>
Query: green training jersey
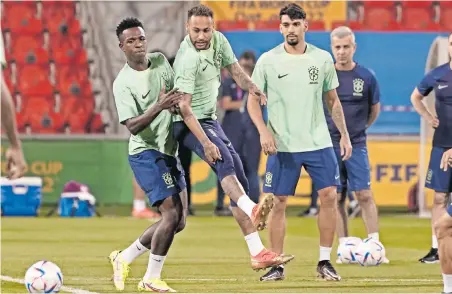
<point>198,72</point>
<point>135,92</point>
<point>294,85</point>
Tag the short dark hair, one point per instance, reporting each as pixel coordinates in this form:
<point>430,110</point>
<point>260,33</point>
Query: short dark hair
<point>248,55</point>
<point>127,23</point>
<point>294,11</point>
<point>200,10</point>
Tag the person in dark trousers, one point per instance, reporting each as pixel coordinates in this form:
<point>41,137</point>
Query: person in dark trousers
<point>240,130</point>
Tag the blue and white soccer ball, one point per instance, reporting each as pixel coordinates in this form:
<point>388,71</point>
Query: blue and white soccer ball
<point>346,250</point>
<point>370,252</point>
<point>43,277</point>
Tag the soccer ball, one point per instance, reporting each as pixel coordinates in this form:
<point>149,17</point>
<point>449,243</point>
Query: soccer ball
<point>43,277</point>
<point>346,250</point>
<point>370,252</point>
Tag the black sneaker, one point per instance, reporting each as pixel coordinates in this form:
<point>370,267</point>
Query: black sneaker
<point>275,274</point>
<point>431,257</point>
<point>326,271</point>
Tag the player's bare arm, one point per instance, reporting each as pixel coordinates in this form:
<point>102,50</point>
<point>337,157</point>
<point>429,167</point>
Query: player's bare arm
<point>446,160</point>
<point>416,100</point>
<point>16,164</point>
<point>166,100</point>
<point>210,150</point>
<point>373,115</point>
<point>337,114</point>
<point>245,82</point>
<point>268,143</point>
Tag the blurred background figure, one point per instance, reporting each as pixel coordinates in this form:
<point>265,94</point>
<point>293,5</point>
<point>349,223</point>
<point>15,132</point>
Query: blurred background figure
<point>140,208</point>
<point>240,130</point>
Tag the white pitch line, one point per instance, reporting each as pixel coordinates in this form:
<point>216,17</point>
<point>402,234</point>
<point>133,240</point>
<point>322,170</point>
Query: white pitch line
<point>64,288</point>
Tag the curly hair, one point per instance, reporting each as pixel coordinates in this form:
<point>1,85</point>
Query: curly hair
<point>294,11</point>
<point>127,23</point>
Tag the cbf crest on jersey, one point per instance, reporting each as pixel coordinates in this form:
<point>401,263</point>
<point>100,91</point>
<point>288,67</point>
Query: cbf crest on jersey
<point>358,87</point>
<point>313,74</point>
<point>166,80</point>
<point>219,57</point>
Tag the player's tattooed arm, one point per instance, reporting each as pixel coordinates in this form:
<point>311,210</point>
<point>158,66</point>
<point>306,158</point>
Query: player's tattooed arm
<point>210,150</point>
<point>245,82</point>
<point>337,114</point>
<point>166,100</point>
<point>416,100</point>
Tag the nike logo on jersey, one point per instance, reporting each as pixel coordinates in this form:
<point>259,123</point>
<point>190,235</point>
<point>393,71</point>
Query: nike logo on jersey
<point>442,86</point>
<point>282,76</point>
<point>205,67</point>
<point>144,96</point>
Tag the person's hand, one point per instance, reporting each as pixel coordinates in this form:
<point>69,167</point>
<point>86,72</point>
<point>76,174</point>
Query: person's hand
<point>433,121</point>
<point>211,152</point>
<point>170,99</point>
<point>446,160</point>
<point>346,147</point>
<point>15,163</point>
<point>268,143</point>
<point>257,92</point>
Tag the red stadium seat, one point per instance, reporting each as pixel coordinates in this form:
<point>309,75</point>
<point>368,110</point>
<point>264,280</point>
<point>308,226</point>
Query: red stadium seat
<point>70,27</point>
<point>34,80</point>
<point>416,4</point>
<point>30,56</point>
<point>267,25</point>
<point>417,14</point>
<point>64,43</point>
<point>446,15</point>
<point>74,81</point>
<point>378,4</point>
<point>77,113</point>
<point>26,42</point>
<point>24,25</point>
<point>96,125</point>
<point>67,57</point>
<point>15,12</point>
<point>57,11</point>
<point>20,120</point>
<point>354,25</point>
<point>316,25</point>
<point>232,25</point>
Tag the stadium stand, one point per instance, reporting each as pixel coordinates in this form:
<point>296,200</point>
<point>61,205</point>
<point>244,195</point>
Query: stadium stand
<point>48,69</point>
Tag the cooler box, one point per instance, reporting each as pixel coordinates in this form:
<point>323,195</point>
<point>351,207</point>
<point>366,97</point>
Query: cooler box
<point>21,197</point>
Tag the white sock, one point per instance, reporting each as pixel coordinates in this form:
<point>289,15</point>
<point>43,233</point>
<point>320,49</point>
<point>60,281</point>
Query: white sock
<point>245,204</point>
<point>254,243</point>
<point>342,240</point>
<point>375,236</point>
<point>139,204</point>
<point>447,281</point>
<point>135,250</point>
<point>325,253</point>
<point>434,242</point>
<point>155,266</point>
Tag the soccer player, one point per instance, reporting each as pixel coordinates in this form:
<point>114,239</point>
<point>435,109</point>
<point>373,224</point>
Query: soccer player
<point>360,98</point>
<point>201,56</point>
<point>15,162</point>
<point>142,106</point>
<point>439,80</point>
<point>295,75</point>
<point>443,230</point>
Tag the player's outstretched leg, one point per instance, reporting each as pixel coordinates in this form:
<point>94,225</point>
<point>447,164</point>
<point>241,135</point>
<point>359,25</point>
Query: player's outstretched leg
<point>327,226</point>
<point>342,218</point>
<point>443,229</point>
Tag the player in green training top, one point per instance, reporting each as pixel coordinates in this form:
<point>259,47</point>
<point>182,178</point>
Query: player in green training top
<point>199,60</point>
<point>294,76</point>
<point>142,106</point>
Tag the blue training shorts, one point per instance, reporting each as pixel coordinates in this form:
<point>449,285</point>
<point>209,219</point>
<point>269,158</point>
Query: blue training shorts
<point>437,179</point>
<point>284,169</point>
<point>355,170</point>
<point>159,175</point>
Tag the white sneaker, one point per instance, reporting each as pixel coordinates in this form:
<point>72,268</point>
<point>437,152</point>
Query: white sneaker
<point>120,270</point>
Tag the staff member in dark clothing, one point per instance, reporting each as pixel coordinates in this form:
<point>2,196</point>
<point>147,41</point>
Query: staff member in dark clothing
<point>241,132</point>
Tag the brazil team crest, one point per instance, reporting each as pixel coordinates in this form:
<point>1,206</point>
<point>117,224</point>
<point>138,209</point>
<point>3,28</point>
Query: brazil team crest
<point>168,179</point>
<point>358,87</point>
<point>313,72</point>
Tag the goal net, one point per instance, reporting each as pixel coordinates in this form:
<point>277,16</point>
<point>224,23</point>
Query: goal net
<point>437,55</point>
